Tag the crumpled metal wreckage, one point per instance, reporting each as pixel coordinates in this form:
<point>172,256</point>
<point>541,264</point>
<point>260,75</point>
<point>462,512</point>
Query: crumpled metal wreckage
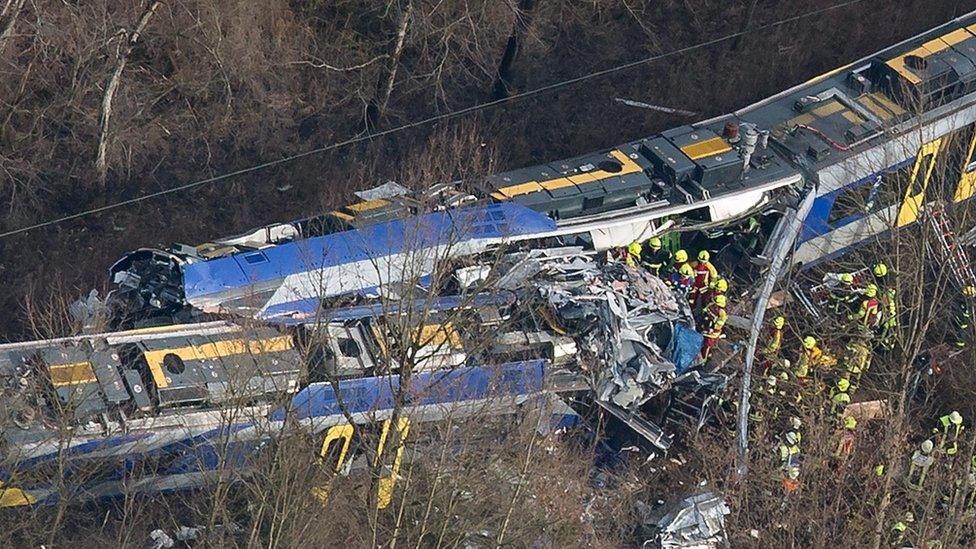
<point>626,320</point>
<point>696,520</point>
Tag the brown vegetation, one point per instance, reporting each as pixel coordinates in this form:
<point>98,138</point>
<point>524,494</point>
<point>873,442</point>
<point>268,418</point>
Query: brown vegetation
<point>212,86</point>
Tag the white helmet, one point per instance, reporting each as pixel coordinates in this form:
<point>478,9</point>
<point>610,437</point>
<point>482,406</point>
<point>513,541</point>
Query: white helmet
<point>955,418</point>
<point>927,446</point>
<point>791,437</point>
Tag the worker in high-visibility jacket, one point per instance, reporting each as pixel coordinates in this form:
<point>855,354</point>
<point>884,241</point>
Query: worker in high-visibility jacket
<point>717,287</point>
<point>705,274</point>
<point>654,256</point>
<point>963,312</point>
<point>899,530</point>
<point>771,344</point>
<point>839,397</point>
<point>922,461</point>
<point>842,299</point>
<point>857,360</point>
<point>845,446</point>
<point>812,357</point>
<point>888,298</point>
<point>947,431</point>
<point>682,274</point>
<point>633,254</point>
<point>789,451</point>
<point>715,317</point>
<point>867,315</point>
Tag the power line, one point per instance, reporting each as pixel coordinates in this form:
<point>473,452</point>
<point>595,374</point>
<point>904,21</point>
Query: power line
<point>425,121</point>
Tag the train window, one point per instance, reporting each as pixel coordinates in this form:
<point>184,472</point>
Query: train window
<point>255,258</point>
<point>850,202</point>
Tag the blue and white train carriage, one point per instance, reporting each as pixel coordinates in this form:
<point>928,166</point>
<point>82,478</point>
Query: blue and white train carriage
<point>856,136</point>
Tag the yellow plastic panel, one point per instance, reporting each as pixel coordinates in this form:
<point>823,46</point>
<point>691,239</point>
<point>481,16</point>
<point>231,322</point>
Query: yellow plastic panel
<point>706,148</point>
<point>967,180</point>
<point>213,350</point>
<point>15,497</point>
<point>72,374</point>
<point>384,491</point>
<point>912,204</point>
<point>334,434</point>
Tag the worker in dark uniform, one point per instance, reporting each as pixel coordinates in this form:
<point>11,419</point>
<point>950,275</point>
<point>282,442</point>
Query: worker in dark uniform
<point>655,257</point>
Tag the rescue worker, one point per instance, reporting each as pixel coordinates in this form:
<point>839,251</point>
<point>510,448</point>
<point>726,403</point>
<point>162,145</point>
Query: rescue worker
<point>791,480</point>
<point>772,343</point>
<point>867,315</point>
<point>705,274</point>
<point>857,360</point>
<point>846,444</point>
<point>888,304</point>
<point>715,317</point>
<point>839,397</point>
<point>633,254</point>
<point>811,357</point>
<point>654,256</point>
<point>922,460</point>
<point>772,395</point>
<point>789,451</point>
<point>951,426</point>
<point>682,275</point>
<point>717,287</point>
<point>900,529</point>
<point>842,298</point>
<point>963,317</point>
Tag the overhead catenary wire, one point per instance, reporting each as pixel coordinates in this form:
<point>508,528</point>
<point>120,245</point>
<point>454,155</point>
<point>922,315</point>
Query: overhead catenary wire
<point>425,121</point>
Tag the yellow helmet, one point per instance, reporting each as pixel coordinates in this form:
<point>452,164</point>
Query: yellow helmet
<point>809,342</point>
<point>720,300</point>
<point>969,291</point>
<point>779,322</point>
<point>681,256</point>
<point>850,423</point>
<point>871,290</point>
<point>704,255</point>
<point>843,384</point>
<point>634,248</point>
<point>847,278</point>
<point>720,285</point>
<point>654,242</point>
<point>880,270</point>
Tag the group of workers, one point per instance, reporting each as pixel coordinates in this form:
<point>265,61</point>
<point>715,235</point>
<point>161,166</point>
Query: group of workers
<point>697,280</point>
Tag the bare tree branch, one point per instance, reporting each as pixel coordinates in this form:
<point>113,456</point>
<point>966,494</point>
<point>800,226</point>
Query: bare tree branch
<point>101,165</point>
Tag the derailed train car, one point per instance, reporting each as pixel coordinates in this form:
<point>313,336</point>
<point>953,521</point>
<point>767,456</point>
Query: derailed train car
<point>180,404</point>
<point>864,139</point>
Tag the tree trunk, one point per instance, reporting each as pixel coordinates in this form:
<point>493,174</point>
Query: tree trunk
<point>384,87</point>
<point>8,16</point>
<point>503,84</point>
<point>105,115</point>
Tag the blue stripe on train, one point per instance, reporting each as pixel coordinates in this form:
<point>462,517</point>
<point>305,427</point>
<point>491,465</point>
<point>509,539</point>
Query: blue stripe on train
<point>816,223</point>
<point>244,269</point>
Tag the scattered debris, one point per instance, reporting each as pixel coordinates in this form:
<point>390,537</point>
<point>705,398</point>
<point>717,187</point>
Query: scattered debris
<point>697,521</point>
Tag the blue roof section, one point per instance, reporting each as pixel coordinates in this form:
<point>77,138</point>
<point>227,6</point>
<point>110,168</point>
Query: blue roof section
<point>446,386</point>
<point>382,239</point>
